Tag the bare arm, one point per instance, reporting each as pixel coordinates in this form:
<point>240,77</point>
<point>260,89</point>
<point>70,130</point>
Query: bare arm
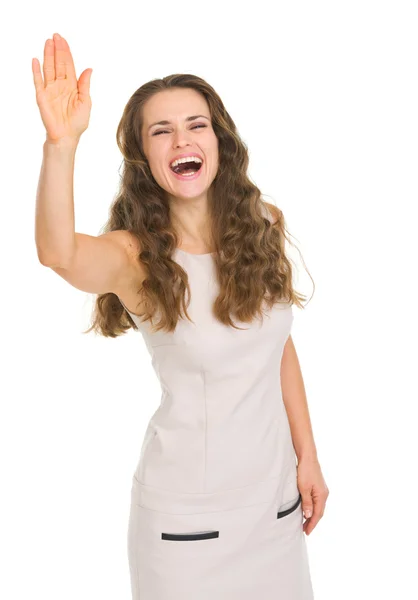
<point>106,263</point>
<point>293,390</point>
<point>294,398</point>
<point>93,264</point>
<point>64,104</point>
<point>54,217</point>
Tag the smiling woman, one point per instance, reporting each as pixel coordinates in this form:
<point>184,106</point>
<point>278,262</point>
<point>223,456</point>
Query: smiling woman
<point>215,486</point>
<point>188,131</point>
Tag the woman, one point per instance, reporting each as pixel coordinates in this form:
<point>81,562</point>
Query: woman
<point>195,260</point>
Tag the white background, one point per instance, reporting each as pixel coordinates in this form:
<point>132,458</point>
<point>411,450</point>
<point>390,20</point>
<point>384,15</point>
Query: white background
<point>325,96</point>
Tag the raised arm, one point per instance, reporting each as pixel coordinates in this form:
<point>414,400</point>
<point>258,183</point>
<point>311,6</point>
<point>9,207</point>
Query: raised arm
<point>101,264</point>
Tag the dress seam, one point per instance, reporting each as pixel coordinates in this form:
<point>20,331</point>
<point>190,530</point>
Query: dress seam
<point>206,429</point>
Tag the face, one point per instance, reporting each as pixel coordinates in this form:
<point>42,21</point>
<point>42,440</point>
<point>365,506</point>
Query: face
<point>163,143</point>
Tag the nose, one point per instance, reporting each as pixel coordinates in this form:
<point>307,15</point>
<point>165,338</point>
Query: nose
<point>181,139</point>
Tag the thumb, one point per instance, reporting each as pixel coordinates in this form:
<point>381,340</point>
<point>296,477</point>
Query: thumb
<point>84,84</point>
<point>307,504</point>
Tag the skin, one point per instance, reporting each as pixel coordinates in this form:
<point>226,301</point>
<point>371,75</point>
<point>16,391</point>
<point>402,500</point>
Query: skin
<point>311,483</point>
<point>188,200</point>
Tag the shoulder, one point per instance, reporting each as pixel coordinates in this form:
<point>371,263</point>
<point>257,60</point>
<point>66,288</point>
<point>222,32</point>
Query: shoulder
<point>129,243</point>
<point>127,240</point>
<point>272,211</point>
<point>135,273</point>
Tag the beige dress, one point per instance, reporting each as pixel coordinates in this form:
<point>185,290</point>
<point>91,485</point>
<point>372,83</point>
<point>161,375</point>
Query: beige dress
<point>215,508</point>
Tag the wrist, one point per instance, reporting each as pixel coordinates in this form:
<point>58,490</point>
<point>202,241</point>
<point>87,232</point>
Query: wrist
<point>307,455</point>
<point>62,143</point>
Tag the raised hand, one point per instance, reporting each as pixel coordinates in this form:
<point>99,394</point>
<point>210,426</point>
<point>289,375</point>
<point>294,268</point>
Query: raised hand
<point>64,102</point>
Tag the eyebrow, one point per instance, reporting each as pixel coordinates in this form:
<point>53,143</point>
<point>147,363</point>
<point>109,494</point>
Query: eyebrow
<point>187,119</point>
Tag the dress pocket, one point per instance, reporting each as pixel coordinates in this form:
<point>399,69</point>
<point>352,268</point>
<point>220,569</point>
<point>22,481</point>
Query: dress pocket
<point>186,537</point>
<point>292,508</point>
<point>289,508</point>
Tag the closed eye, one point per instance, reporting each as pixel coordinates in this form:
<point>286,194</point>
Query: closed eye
<point>165,131</point>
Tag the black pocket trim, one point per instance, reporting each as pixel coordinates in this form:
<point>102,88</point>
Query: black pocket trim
<point>283,513</point>
<point>182,537</point>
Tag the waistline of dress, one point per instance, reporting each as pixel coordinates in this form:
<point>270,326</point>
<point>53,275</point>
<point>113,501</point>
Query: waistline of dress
<point>177,502</point>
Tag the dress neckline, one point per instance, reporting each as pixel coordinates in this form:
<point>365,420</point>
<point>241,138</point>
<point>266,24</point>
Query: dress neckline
<point>193,254</point>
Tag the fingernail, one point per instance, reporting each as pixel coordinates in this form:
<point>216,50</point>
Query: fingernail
<point>308,513</point>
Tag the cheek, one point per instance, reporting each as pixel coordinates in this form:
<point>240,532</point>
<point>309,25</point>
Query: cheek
<point>215,147</point>
<point>156,161</point>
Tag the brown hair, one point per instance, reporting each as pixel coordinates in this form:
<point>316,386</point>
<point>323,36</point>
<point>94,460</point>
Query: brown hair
<point>250,259</point>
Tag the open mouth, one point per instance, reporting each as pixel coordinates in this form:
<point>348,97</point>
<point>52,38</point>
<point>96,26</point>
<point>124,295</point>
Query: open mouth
<point>187,169</point>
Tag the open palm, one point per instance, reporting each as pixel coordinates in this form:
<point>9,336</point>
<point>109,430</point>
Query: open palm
<point>64,102</point>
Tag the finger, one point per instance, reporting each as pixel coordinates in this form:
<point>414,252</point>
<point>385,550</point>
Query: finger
<point>37,75</point>
<point>318,512</point>
<point>49,67</point>
<point>307,504</point>
<point>309,526</point>
<point>64,65</point>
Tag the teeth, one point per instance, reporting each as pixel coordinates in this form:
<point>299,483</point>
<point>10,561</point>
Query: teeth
<point>183,160</point>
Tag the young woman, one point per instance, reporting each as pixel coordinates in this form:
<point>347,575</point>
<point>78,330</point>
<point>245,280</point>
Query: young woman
<point>193,259</point>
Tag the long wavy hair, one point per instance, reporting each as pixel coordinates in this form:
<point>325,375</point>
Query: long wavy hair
<point>250,258</point>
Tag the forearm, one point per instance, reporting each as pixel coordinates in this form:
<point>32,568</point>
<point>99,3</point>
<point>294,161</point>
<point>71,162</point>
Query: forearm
<point>294,399</point>
<point>54,221</point>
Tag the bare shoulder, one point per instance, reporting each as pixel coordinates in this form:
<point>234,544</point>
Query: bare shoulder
<point>130,285</point>
<point>275,212</point>
<point>126,239</point>
<point>129,242</point>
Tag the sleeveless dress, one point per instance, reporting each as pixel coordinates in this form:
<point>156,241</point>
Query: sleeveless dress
<point>215,508</point>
